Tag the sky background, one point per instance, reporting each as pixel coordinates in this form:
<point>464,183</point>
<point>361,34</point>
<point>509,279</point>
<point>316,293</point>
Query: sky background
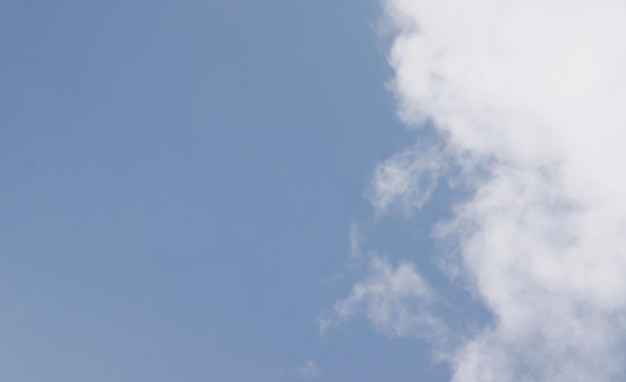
<point>178,179</point>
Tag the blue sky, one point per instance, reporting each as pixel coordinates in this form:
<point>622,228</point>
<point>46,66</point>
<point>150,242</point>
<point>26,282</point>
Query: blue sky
<point>391,190</point>
<point>178,183</point>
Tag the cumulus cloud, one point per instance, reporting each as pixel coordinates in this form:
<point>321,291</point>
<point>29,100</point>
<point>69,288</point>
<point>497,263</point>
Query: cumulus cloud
<point>529,94</point>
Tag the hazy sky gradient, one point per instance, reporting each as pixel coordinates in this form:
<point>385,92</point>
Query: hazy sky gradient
<point>178,183</point>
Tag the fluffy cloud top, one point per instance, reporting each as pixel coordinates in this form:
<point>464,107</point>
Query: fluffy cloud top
<point>529,92</point>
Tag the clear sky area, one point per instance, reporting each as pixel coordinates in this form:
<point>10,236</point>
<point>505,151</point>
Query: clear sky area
<point>178,182</point>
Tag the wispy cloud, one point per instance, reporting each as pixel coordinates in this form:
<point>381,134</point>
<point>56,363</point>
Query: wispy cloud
<point>407,180</point>
<point>309,371</point>
<point>395,300</point>
<point>354,237</point>
<point>531,94</point>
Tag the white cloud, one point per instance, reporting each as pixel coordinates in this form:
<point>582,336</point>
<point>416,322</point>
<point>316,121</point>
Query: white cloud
<point>406,181</point>
<point>530,92</point>
<point>396,301</point>
<point>354,238</point>
<point>309,371</point>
